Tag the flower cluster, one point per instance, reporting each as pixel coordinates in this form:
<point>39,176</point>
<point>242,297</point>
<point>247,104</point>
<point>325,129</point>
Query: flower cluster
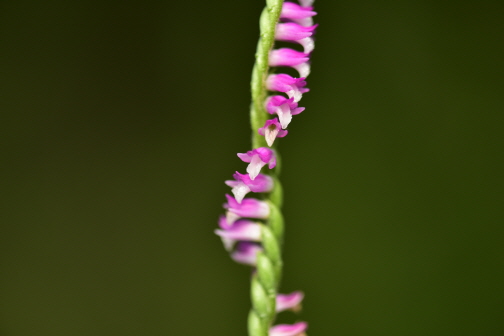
<point>241,229</point>
<point>296,26</point>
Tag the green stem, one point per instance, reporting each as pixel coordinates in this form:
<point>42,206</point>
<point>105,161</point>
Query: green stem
<point>264,286</point>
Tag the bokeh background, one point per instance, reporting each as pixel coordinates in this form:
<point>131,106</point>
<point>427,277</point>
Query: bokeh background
<point>120,121</point>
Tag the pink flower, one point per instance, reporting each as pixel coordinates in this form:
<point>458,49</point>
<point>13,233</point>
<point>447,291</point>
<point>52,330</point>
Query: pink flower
<point>291,58</point>
<point>249,208</point>
<point>294,32</point>
<point>296,329</point>
<point>258,158</point>
<point>290,301</point>
<point>284,108</point>
<point>243,184</point>
<point>293,87</point>
<point>296,13</point>
<point>272,130</point>
<point>246,253</point>
<point>242,229</point>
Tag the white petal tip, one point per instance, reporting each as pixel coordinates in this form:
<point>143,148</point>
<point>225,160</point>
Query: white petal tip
<point>308,44</point>
<point>295,94</point>
<point>231,217</point>
<point>270,135</point>
<point>239,191</point>
<point>303,69</point>
<point>270,141</point>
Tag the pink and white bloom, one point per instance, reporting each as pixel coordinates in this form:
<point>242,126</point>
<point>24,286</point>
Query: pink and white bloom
<point>258,158</point>
<point>249,208</point>
<point>246,253</point>
<point>272,130</point>
<point>284,108</point>
<point>225,225</point>
<point>293,87</point>
<point>243,184</point>
<point>299,14</point>
<point>242,229</point>
<point>290,301</point>
<point>290,58</point>
<point>291,31</point>
<point>296,329</point>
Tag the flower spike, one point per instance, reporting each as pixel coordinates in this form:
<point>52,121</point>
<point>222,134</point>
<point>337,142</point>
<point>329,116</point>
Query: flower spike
<point>252,229</point>
<point>290,58</point>
<point>293,87</point>
<point>243,184</point>
<point>272,130</point>
<point>296,329</point>
<point>258,158</point>
<point>284,108</point>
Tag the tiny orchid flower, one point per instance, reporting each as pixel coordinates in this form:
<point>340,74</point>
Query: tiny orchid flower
<point>243,184</point>
<point>296,13</point>
<point>246,253</point>
<point>284,108</point>
<point>225,225</point>
<point>290,301</point>
<point>272,130</point>
<point>242,229</point>
<point>249,207</point>
<point>296,329</point>
<point>295,32</point>
<point>290,58</point>
<point>293,87</point>
<point>258,158</point>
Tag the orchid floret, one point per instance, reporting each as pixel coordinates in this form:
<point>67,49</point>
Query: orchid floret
<point>296,329</point>
<point>247,208</point>
<point>293,87</point>
<point>246,253</point>
<point>291,58</point>
<point>258,158</point>
<point>284,108</point>
<point>296,13</point>
<point>243,184</point>
<point>294,32</point>
<point>272,130</point>
<point>290,301</point>
<point>242,229</point>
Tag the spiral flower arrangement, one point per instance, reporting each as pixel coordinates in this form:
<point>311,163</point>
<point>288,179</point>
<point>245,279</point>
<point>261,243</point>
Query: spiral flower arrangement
<point>252,229</point>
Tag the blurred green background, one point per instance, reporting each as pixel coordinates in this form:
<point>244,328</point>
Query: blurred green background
<point>120,121</point>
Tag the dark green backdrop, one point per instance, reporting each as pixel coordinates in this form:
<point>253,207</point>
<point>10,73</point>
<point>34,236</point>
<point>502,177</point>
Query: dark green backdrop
<point>120,121</point>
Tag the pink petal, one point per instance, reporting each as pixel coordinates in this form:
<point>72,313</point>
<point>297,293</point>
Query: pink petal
<point>287,57</point>
<point>289,301</point>
<point>246,253</point>
<point>297,13</point>
<point>242,230</point>
<point>272,130</point>
<point>295,329</point>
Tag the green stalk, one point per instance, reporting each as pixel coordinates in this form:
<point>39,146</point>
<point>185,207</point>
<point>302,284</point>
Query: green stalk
<point>265,281</point>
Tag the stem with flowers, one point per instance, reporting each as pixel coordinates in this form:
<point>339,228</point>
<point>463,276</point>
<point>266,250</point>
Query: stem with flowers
<point>252,229</point>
